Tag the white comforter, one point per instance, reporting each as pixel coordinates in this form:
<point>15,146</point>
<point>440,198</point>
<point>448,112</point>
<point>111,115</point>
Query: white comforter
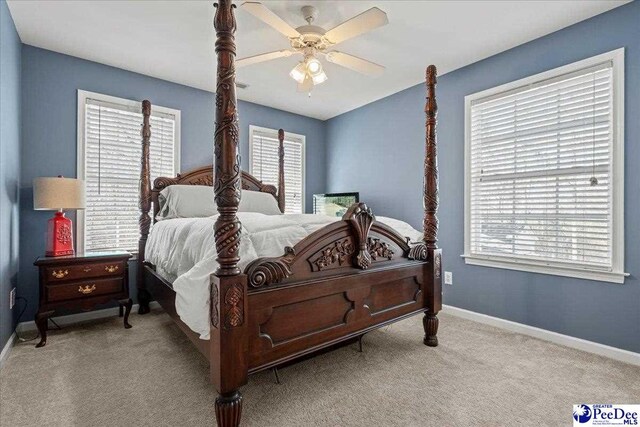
<point>183,251</point>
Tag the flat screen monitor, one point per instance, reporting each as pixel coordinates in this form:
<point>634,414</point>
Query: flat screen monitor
<point>334,204</point>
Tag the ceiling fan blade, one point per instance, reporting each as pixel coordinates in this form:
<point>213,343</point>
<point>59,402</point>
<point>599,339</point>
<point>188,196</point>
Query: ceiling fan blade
<point>261,12</point>
<point>250,60</point>
<point>306,85</point>
<point>354,63</point>
<point>366,21</point>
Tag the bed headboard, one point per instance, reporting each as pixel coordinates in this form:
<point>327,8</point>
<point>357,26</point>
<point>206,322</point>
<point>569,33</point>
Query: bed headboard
<point>201,176</point>
<point>204,176</point>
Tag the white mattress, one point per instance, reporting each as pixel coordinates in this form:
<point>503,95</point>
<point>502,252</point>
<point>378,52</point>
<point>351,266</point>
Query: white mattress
<point>183,251</point>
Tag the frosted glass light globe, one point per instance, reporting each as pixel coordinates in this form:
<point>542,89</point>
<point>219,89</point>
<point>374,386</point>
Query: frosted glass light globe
<point>314,66</point>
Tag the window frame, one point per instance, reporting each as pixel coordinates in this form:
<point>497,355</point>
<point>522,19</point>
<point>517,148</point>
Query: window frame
<point>83,95</point>
<point>287,135</point>
<point>617,274</point>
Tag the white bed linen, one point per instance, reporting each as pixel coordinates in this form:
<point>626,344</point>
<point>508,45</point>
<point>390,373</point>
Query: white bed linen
<point>183,251</point>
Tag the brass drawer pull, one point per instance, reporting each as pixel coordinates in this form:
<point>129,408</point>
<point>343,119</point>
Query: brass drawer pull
<point>111,268</point>
<point>86,269</point>
<point>59,274</point>
<point>87,289</point>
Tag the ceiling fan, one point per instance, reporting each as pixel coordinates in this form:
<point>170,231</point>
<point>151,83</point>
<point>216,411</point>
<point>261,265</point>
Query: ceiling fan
<point>312,41</point>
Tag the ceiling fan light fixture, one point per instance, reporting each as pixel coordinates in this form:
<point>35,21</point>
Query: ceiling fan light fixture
<point>311,40</point>
<point>299,72</point>
<point>321,77</point>
<point>314,66</point>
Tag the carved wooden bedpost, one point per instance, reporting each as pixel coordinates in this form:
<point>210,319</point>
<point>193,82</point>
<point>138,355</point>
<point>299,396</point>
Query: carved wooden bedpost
<point>229,341</point>
<point>430,321</point>
<point>281,194</point>
<point>144,204</point>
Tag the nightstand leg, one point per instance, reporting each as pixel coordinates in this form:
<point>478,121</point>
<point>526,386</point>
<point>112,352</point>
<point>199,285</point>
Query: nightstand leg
<point>41,323</point>
<point>127,304</point>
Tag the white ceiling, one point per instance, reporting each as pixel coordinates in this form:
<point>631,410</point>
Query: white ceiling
<point>174,40</point>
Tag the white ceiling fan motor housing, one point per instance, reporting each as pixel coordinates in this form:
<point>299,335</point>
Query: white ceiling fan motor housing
<point>310,35</point>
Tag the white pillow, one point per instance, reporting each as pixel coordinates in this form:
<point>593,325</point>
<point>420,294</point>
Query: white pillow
<point>257,201</point>
<point>186,201</point>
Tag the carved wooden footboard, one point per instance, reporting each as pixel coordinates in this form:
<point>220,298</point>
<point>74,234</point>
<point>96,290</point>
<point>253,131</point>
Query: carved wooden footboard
<point>341,281</point>
<point>355,242</point>
<point>293,321</point>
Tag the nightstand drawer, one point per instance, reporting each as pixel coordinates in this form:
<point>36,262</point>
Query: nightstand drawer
<point>83,271</point>
<point>84,289</point>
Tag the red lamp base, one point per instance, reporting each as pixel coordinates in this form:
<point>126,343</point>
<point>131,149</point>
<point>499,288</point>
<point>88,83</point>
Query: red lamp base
<point>59,236</point>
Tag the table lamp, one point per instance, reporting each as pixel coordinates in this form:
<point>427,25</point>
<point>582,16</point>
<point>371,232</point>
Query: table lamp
<point>58,194</point>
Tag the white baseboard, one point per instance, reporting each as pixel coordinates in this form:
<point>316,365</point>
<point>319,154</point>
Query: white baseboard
<point>64,321</point>
<point>7,348</point>
<point>554,337</point>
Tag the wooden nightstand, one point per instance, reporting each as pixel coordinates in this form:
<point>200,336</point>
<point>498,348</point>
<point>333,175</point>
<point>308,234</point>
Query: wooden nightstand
<point>82,281</point>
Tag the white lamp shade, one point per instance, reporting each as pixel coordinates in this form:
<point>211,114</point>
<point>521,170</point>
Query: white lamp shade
<point>320,78</point>
<point>58,193</point>
<point>299,72</point>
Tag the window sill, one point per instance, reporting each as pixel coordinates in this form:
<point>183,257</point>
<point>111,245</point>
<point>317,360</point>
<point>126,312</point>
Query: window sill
<point>532,267</point>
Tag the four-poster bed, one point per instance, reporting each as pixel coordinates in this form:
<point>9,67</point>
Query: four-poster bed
<point>339,282</point>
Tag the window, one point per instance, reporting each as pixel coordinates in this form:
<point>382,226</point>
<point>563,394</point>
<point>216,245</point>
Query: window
<point>263,161</point>
<point>109,148</point>
<point>544,172</point>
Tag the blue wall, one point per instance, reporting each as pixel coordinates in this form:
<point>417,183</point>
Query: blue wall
<point>388,137</point>
<point>49,98</point>
<point>10,67</point>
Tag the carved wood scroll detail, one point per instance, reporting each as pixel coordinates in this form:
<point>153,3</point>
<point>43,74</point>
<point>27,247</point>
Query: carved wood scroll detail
<point>204,176</point>
<point>213,305</point>
<point>205,180</point>
<point>378,249</point>
<point>419,252</point>
<point>360,217</point>
<point>234,306</point>
<point>437,263</point>
<point>267,271</point>
<point>163,182</point>
<point>339,252</point>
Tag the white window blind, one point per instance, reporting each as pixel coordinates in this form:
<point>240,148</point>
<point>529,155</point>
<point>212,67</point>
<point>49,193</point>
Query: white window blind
<point>540,172</point>
<point>264,164</point>
<point>111,147</point>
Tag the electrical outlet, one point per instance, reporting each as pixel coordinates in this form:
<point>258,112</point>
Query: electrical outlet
<point>12,298</point>
<point>448,278</point>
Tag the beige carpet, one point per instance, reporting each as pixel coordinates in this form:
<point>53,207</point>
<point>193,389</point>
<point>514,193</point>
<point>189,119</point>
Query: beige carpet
<point>99,374</point>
